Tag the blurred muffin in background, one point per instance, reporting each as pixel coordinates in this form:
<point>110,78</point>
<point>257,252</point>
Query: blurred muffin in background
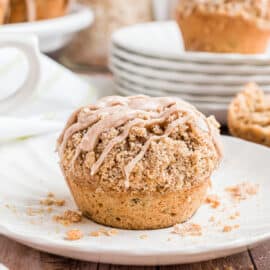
<point>225,26</point>
<point>249,115</point>
<point>3,10</point>
<point>32,10</point>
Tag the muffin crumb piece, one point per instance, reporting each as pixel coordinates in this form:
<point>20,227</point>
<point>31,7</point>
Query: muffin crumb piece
<point>234,215</point>
<point>69,217</point>
<point>189,229</point>
<point>100,232</point>
<point>51,200</point>
<point>95,233</point>
<point>229,228</point>
<point>213,200</point>
<point>243,191</point>
<point>73,235</point>
<point>143,236</point>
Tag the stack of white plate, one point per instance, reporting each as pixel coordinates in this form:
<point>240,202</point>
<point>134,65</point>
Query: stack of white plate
<point>150,59</point>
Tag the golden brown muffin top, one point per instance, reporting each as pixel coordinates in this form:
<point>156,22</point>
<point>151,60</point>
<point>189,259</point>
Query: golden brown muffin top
<point>118,132</point>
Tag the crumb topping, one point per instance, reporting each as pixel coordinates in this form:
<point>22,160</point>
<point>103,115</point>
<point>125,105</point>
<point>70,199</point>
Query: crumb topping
<point>140,143</point>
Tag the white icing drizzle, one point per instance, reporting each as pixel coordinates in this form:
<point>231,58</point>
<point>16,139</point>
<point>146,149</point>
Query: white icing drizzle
<point>130,166</point>
<point>143,111</point>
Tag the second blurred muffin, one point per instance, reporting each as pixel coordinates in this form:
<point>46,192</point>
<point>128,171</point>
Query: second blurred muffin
<point>3,10</point>
<point>226,26</point>
<point>22,11</point>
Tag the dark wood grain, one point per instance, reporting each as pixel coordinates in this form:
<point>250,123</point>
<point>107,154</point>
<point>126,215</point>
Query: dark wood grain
<point>261,256</point>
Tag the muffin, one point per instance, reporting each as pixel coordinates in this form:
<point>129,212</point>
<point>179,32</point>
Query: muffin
<point>226,26</point>
<point>249,115</point>
<point>32,10</point>
<point>3,10</point>
<point>139,162</point>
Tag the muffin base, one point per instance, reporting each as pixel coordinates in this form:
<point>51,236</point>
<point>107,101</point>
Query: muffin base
<point>222,33</point>
<point>136,210</point>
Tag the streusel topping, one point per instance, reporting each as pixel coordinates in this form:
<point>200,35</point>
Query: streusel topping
<point>119,136</point>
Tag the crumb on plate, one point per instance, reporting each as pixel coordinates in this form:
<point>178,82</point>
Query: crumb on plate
<point>68,217</point>
<point>102,231</point>
<point>229,228</point>
<point>234,215</point>
<point>243,190</point>
<point>213,200</point>
<point>188,229</point>
<point>52,200</point>
<point>73,235</point>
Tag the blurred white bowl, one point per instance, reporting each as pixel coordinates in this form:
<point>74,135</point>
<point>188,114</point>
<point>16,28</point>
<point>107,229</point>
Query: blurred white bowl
<point>53,34</point>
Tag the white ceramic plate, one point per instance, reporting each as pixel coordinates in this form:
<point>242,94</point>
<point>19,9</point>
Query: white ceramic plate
<point>29,170</point>
<point>163,40</point>
<point>137,89</point>
<point>188,77</point>
<point>189,88</point>
<point>219,110</point>
<point>53,34</point>
<point>179,65</point>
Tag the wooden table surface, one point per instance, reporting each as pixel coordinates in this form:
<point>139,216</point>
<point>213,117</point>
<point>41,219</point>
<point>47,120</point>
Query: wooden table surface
<point>19,257</point>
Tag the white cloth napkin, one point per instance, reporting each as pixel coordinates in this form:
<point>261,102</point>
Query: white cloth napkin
<point>2,267</point>
<point>58,94</point>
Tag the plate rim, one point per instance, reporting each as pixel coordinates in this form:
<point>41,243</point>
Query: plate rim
<point>154,62</point>
<point>137,252</point>
<point>188,77</point>
<point>186,55</point>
